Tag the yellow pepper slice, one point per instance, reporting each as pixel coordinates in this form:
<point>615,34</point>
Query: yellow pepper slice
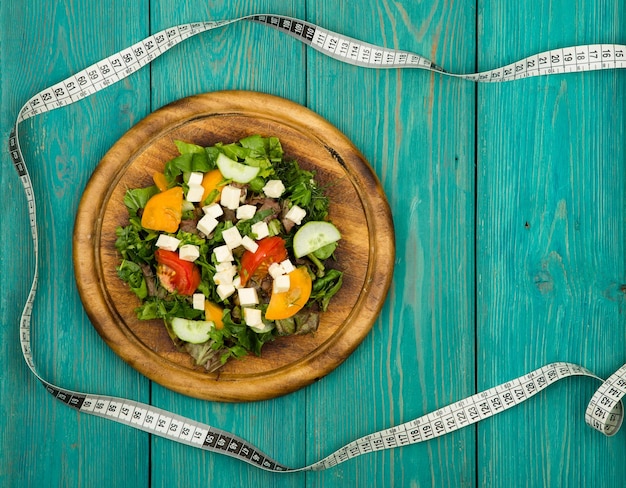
<point>164,211</point>
<point>214,313</point>
<point>287,304</point>
<point>211,181</point>
<point>160,181</point>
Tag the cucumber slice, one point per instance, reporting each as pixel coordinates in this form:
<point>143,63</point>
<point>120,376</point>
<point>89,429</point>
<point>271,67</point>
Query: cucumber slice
<point>313,236</point>
<point>262,329</point>
<point>194,331</point>
<point>232,170</point>
<point>187,206</point>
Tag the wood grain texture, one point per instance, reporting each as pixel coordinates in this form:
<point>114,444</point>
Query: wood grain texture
<point>358,208</point>
<point>550,241</point>
<point>413,128</point>
<point>248,57</point>
<point>43,441</point>
<point>508,204</point>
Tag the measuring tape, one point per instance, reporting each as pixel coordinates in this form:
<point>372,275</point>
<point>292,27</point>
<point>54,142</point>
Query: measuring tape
<point>605,410</point>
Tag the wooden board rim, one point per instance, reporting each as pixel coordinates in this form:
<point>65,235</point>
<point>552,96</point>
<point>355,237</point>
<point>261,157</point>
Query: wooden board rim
<point>217,386</point>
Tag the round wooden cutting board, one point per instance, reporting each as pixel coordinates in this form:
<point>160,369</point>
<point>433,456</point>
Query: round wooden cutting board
<point>358,208</point>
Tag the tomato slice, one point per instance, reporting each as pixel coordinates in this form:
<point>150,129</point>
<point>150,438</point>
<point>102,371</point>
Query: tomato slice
<point>175,274</point>
<point>287,304</point>
<point>271,250</point>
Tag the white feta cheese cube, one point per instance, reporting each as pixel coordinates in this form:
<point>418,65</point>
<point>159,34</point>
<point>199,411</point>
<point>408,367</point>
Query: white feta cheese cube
<point>223,278</point>
<point>274,188</point>
<point>214,210</point>
<point>224,274</point>
<point>223,254</point>
<point>224,291</point>
<point>237,282</point>
<point>275,270</point>
<point>195,192</point>
<point>230,197</point>
<point>225,266</point>
<point>247,297</point>
<point>296,214</point>
<point>281,284</point>
<point>252,316</point>
<point>198,301</point>
<point>260,230</point>
<point>189,252</point>
<point>195,178</point>
<point>232,237</point>
<point>245,212</point>
<point>167,243</point>
<point>207,224</point>
<point>287,266</point>
<point>249,244</point>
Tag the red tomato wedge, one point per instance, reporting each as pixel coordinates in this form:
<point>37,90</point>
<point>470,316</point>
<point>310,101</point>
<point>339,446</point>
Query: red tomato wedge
<point>175,274</point>
<point>271,250</point>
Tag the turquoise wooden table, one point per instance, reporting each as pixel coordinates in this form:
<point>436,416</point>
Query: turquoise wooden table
<point>509,209</point>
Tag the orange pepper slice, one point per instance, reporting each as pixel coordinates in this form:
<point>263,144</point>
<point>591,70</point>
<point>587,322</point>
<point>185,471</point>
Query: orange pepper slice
<point>164,211</point>
<point>211,181</point>
<point>287,304</point>
<point>160,181</point>
<point>214,313</point>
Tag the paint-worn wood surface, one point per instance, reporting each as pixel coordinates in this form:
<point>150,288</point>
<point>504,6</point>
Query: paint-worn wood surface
<point>509,212</point>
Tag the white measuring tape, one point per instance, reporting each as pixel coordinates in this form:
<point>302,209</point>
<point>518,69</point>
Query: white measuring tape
<point>605,410</point>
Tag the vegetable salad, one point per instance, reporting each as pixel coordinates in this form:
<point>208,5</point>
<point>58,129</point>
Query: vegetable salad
<point>232,247</point>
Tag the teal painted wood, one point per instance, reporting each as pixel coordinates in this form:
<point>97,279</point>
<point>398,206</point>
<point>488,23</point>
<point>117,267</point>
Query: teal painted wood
<point>548,154</point>
<point>42,441</point>
<point>411,126</point>
<point>248,57</point>
<point>550,241</point>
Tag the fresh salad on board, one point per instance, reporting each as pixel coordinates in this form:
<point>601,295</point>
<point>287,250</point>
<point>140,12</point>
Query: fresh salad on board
<point>231,246</point>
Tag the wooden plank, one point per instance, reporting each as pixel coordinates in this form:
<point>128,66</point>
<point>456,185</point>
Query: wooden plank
<point>41,438</point>
<point>413,128</point>
<point>550,230</point>
<point>250,57</point>
<point>550,260</point>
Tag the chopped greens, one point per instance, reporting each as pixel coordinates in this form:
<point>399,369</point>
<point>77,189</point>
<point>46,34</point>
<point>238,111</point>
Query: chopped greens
<point>302,190</point>
<point>233,247</point>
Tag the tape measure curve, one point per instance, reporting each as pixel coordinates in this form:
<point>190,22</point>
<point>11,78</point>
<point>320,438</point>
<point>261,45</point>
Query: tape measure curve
<point>604,412</point>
